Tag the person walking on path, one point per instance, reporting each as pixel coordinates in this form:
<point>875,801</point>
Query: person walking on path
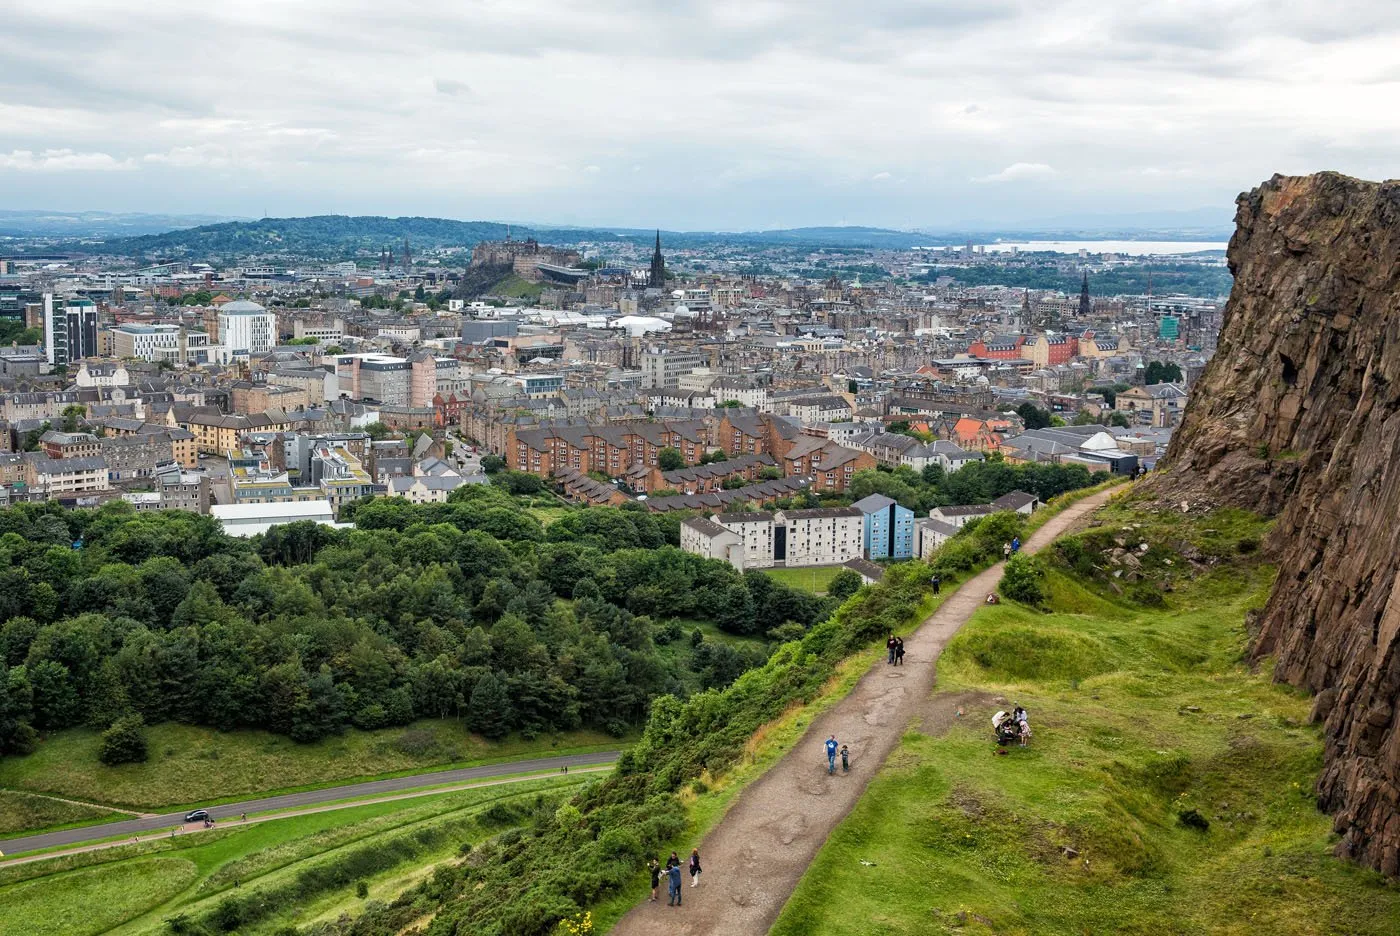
<point>936,582</point>
<point>695,867</point>
<point>654,867</point>
<point>890,645</point>
<point>831,747</point>
<point>1006,550</point>
<point>899,651</point>
<point>1015,544</point>
<point>845,759</point>
<point>673,885</point>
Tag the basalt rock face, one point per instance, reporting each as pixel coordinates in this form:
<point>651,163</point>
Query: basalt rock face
<point>1298,415</point>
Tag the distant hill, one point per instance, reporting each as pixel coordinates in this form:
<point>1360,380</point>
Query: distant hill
<point>345,236</point>
<point>101,224</point>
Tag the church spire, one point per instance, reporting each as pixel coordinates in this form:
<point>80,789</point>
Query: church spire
<point>1084,305</point>
<point>657,279</point>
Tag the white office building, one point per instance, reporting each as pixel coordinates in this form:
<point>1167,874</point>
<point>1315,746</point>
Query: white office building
<point>247,328</point>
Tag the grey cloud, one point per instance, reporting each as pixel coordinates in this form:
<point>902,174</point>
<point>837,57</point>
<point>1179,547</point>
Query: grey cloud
<point>742,111</point>
<point>451,87</point>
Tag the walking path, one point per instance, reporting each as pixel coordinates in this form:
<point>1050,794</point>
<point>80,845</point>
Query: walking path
<point>755,856</point>
<point>360,791</point>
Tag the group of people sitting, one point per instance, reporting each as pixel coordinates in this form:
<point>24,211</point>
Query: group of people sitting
<point>1013,727</point>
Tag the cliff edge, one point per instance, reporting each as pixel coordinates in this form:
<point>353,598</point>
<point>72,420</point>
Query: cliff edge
<point>1298,415</point>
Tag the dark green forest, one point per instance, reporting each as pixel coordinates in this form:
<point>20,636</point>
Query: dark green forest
<point>469,609</point>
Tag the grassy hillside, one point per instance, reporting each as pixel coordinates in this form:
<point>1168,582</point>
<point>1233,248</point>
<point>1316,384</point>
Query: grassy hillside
<point>263,877</point>
<point>192,765</point>
<point>1168,787</point>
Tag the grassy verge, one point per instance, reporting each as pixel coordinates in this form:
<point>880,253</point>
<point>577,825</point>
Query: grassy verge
<point>290,869</point>
<point>24,812</point>
<point>195,765</point>
<point>814,579</point>
<point>1168,788</point>
<point>515,287</point>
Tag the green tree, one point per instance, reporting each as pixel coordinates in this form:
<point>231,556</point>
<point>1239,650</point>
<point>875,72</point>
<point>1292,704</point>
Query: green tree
<point>124,742</point>
<point>492,463</point>
<point>490,709</point>
<point>71,414</point>
<point>669,459</point>
<point>1161,372</point>
<point>1033,416</point>
<point>1119,419</point>
<point>844,584</point>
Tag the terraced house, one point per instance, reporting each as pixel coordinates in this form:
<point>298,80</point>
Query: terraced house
<point>611,449</point>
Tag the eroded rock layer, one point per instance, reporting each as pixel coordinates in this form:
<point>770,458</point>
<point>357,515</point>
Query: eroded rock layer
<point>1298,415</point>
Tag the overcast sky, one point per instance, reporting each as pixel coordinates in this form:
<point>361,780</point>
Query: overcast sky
<point>690,115</point>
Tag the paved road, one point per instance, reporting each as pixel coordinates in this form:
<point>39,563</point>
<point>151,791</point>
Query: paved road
<point>759,851</point>
<point>308,798</point>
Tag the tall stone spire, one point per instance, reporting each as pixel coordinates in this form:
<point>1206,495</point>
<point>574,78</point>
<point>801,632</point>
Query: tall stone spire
<point>657,280</point>
<point>1084,305</point>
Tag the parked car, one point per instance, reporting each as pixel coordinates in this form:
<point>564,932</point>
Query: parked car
<point>199,815</point>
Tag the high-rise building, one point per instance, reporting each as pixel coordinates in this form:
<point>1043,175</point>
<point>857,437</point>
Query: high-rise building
<point>657,279</point>
<point>70,330</point>
<point>246,328</point>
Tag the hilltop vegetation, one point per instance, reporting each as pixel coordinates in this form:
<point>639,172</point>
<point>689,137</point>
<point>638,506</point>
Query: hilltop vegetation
<point>1168,787</point>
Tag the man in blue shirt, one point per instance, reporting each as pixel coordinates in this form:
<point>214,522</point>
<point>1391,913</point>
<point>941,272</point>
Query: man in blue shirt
<point>831,747</point>
<point>673,885</point>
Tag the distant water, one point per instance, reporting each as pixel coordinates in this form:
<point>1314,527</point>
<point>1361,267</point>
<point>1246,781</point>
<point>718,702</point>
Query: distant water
<point>1126,248</point>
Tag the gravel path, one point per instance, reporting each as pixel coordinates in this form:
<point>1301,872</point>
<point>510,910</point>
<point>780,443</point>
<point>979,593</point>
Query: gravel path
<point>755,856</point>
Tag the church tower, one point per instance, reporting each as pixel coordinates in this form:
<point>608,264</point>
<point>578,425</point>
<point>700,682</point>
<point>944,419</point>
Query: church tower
<point>657,280</point>
<point>1084,306</point>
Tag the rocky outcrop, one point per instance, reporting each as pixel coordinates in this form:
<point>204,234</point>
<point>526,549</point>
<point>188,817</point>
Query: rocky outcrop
<point>1298,415</point>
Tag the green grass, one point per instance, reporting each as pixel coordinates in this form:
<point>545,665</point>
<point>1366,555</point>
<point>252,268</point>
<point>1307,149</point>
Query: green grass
<point>547,515</point>
<point>259,860</point>
<point>814,579</point>
<point>515,287</point>
<point>92,900</point>
<point>24,812</point>
<point>190,764</point>
<point>1141,715</point>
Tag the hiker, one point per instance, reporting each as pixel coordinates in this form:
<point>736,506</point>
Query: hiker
<point>845,759</point>
<point>936,582</point>
<point>243,817</point>
<point>673,884</point>
<point>654,867</point>
<point>889,645</point>
<point>1015,544</point>
<point>673,862</point>
<point>899,651</point>
<point>831,747</point>
<point>695,867</point>
<point>1006,550</point>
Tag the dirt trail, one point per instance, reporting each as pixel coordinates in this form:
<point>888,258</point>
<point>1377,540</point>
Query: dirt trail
<point>755,856</point>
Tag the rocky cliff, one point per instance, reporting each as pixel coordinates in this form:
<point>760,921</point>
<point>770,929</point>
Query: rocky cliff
<point>1298,415</point>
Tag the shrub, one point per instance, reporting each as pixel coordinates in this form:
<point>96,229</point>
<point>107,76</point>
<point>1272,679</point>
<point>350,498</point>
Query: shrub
<point>361,889</point>
<point>1021,580</point>
<point>124,742</point>
<point>844,584</point>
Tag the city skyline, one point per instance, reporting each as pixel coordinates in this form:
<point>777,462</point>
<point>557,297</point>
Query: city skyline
<point>713,116</point>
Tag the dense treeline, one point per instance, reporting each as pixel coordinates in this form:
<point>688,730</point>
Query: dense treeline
<point>469,609</point>
<point>976,483</point>
<point>527,880</point>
